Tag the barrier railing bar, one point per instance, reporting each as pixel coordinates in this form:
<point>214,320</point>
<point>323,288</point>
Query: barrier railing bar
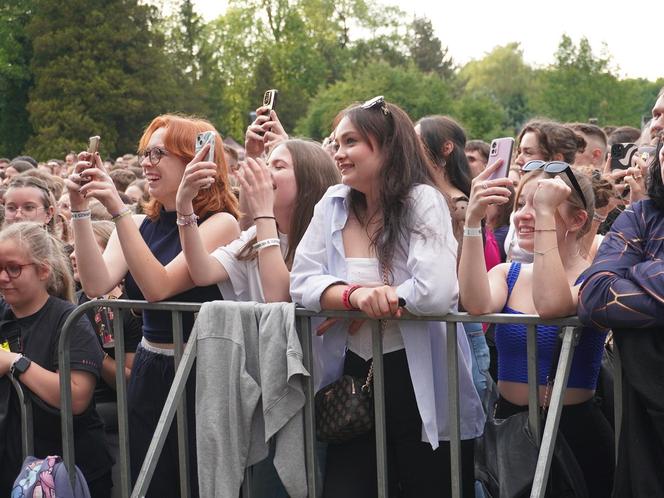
<point>379,410</point>
<point>534,420</point>
<point>303,325</point>
<point>121,394</point>
<point>454,413</point>
<point>617,395</point>
<point>166,419</point>
<point>304,330</point>
<point>570,338</point>
<point>182,425</point>
<point>27,441</point>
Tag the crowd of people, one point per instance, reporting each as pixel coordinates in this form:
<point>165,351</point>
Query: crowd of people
<point>387,216</point>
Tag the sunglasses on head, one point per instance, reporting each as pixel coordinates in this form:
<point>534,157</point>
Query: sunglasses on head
<point>555,168</point>
<point>376,103</point>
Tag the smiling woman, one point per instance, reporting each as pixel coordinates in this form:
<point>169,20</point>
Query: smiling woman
<point>145,251</point>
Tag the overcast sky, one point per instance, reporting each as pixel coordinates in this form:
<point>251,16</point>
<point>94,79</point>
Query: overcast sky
<point>471,28</point>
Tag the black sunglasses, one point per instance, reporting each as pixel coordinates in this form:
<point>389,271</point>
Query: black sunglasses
<point>554,168</point>
<point>376,102</point>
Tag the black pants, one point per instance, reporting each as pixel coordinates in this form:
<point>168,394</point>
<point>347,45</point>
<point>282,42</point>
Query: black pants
<point>151,378</point>
<point>414,469</point>
<point>589,436</point>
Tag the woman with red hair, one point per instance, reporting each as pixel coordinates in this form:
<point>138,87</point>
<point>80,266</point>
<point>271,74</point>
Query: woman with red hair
<point>145,251</point>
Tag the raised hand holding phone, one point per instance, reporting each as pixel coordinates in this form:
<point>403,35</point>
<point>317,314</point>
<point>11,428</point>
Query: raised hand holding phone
<point>257,188</point>
<point>198,174</point>
<point>484,191</point>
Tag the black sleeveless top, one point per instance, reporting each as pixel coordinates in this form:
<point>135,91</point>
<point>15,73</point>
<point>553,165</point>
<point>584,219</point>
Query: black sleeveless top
<point>163,239</point>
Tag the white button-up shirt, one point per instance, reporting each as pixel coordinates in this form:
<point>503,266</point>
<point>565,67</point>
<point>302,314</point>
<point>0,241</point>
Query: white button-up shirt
<point>424,272</point>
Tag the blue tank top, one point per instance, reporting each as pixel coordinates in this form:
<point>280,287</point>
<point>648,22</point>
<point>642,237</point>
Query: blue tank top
<point>512,356</point>
<point>163,239</point>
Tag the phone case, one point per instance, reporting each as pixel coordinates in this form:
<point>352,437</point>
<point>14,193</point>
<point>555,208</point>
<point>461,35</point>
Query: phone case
<point>501,148</point>
<point>207,137</point>
<point>270,99</point>
<point>621,155</point>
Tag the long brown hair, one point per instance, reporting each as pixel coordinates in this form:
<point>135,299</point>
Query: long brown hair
<point>315,172</point>
<point>179,140</point>
<point>406,164</point>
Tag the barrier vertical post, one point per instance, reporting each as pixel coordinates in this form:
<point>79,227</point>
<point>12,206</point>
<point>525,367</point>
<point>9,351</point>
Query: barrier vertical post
<point>455,413</point>
<point>545,457</point>
<point>534,420</point>
<point>303,325</point>
<point>379,409</point>
<point>121,392</point>
<point>182,422</point>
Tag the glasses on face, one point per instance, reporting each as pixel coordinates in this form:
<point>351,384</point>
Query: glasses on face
<point>154,154</point>
<point>555,168</point>
<point>27,210</point>
<point>376,103</point>
<point>14,270</point>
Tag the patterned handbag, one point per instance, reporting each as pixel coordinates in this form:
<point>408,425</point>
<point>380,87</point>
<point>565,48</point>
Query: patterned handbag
<point>344,409</point>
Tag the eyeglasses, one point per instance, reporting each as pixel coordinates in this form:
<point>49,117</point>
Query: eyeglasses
<point>154,154</point>
<point>554,168</point>
<point>14,270</point>
<point>27,210</point>
<point>376,102</point>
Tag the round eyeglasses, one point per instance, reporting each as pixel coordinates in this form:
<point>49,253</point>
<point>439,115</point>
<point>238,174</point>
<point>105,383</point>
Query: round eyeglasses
<point>27,210</point>
<point>154,154</point>
<point>14,270</point>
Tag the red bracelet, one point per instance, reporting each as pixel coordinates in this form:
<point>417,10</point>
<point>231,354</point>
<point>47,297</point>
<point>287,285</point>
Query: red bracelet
<point>346,296</point>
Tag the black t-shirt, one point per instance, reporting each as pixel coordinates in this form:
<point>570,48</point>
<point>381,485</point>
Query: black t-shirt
<point>39,338</point>
<point>101,319</point>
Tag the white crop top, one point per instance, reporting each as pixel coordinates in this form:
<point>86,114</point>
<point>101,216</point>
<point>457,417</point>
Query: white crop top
<point>365,271</point>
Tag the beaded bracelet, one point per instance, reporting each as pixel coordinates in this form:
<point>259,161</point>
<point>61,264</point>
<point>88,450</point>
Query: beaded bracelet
<point>81,215</point>
<point>120,215</point>
<point>265,243</point>
<point>185,220</point>
<point>345,297</point>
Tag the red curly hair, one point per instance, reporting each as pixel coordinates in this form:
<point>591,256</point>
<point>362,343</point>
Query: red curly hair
<point>180,140</point>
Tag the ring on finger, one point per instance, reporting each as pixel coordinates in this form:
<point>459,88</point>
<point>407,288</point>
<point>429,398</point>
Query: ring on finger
<point>485,185</point>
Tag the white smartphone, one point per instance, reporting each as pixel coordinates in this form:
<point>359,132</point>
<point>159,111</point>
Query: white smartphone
<point>501,148</point>
<point>206,137</point>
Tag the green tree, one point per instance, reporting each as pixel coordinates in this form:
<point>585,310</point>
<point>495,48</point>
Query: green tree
<point>99,68</point>
<point>418,93</point>
<point>15,76</point>
<point>503,75</point>
<point>482,116</point>
<point>427,51</point>
<point>578,86</point>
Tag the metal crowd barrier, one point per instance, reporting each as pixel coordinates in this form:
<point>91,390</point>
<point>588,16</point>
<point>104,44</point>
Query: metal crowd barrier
<point>184,360</point>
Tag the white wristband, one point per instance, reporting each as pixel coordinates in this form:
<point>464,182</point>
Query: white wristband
<point>265,243</point>
<point>472,232</point>
<point>81,215</point>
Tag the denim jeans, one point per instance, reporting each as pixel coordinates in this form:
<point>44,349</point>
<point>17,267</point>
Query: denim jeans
<point>480,355</point>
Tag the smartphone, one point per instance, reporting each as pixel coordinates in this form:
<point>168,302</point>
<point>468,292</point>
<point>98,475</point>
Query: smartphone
<point>204,138</point>
<point>270,100</point>
<point>621,155</point>
<point>501,148</point>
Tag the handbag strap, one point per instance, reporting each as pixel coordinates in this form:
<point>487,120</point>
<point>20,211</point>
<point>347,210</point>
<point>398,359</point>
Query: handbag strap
<point>383,325</point>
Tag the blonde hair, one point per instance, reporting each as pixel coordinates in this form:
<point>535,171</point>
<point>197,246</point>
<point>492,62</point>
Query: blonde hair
<point>43,248</point>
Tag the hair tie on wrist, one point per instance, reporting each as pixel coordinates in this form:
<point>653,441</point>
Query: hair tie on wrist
<point>345,298</point>
<point>265,218</point>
